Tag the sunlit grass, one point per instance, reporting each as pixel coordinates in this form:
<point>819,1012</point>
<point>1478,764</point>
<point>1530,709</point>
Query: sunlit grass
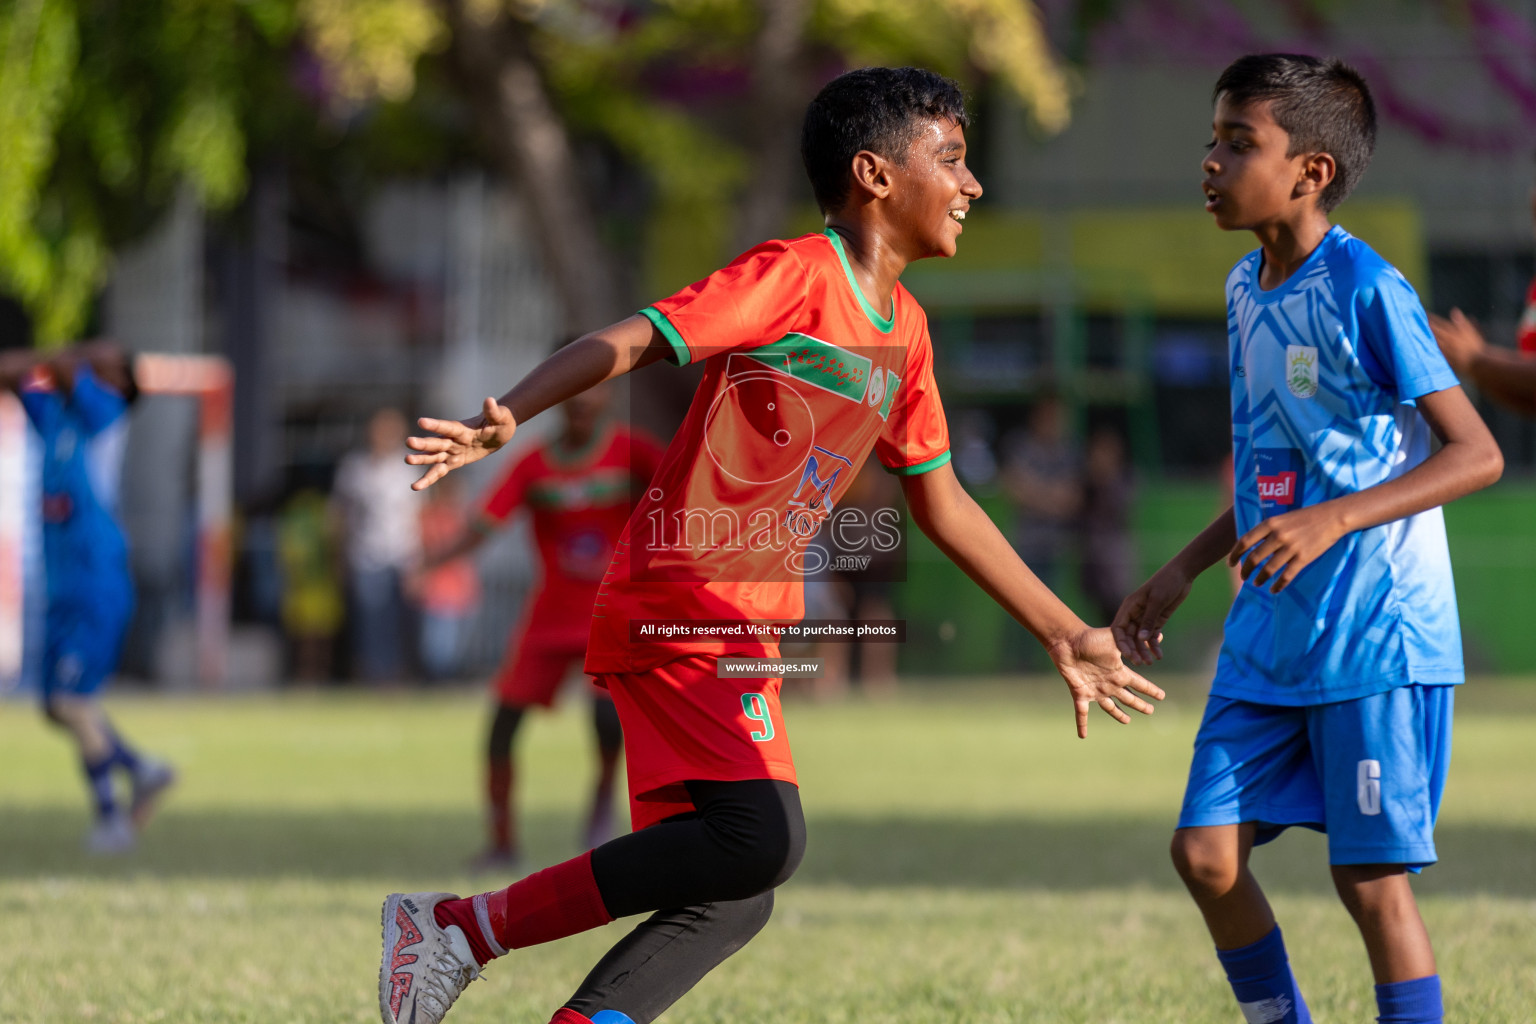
<point>970,860</point>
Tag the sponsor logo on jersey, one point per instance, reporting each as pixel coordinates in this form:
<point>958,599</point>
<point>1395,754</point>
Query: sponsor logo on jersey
<point>811,502</point>
<point>1280,488</point>
<point>1301,370</point>
<point>840,371</point>
<point>1281,472</point>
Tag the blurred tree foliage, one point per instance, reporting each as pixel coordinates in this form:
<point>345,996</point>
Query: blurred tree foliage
<point>108,108</point>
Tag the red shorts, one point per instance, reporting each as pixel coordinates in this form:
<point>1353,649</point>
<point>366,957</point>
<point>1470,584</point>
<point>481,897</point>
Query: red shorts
<point>533,676</point>
<point>682,723</point>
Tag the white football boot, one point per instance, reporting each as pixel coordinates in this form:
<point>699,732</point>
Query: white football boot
<point>151,781</point>
<point>110,835</point>
<point>424,967</point>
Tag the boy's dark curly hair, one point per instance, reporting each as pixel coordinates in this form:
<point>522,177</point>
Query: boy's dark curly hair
<point>875,109</point>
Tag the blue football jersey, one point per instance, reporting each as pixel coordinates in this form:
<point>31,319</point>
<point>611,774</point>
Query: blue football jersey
<point>84,550</point>
<point>1325,369</point>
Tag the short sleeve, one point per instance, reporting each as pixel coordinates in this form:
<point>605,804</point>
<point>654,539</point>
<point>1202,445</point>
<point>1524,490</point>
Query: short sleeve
<point>754,301</point>
<point>511,490</point>
<point>1398,347</point>
<point>96,405</point>
<point>916,436</point>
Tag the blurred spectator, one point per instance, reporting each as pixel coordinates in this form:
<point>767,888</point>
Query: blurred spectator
<point>312,601</point>
<point>1042,474</point>
<point>1108,553</point>
<point>447,592</point>
<point>380,517</point>
<point>972,444</point>
<point>1507,376</point>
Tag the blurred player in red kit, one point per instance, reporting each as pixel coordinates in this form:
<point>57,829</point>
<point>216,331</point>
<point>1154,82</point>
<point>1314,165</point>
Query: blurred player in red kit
<point>578,489</point>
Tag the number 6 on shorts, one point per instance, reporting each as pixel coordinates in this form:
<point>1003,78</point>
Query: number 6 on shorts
<point>756,707</point>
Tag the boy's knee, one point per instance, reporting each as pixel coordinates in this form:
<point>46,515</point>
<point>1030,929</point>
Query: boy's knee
<point>503,729</point>
<point>763,834</point>
<point>772,859</point>
<point>1208,866</point>
<point>1372,889</point>
<point>788,850</point>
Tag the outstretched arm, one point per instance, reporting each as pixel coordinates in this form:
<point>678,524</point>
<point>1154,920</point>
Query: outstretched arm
<point>1502,374</point>
<point>601,355</point>
<point>1086,658</point>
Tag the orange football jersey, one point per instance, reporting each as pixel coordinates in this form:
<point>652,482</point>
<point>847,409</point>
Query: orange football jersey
<point>802,379</point>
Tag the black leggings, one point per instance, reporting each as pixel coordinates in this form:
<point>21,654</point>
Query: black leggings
<point>712,872</point>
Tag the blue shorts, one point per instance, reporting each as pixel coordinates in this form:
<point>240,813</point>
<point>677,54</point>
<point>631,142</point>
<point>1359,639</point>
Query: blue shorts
<point>1369,772</point>
<point>82,639</point>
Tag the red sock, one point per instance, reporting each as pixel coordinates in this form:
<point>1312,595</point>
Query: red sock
<point>498,797</point>
<point>565,1015</point>
<point>462,913</point>
<point>545,906</point>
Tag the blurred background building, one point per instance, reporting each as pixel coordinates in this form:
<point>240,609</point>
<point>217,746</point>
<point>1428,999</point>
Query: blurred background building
<point>403,204</point>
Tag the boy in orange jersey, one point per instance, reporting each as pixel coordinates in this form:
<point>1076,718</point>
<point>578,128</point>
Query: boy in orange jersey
<point>579,488</point>
<point>814,356</point>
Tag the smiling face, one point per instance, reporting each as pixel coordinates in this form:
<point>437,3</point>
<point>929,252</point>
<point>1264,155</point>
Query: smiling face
<point>1250,182</point>
<point>932,190</point>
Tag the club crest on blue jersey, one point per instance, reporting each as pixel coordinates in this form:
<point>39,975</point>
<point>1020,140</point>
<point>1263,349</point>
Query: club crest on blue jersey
<point>808,507</point>
<point>1301,370</point>
<point>1281,474</point>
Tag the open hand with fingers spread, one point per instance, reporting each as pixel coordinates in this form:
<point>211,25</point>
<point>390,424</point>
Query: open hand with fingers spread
<point>459,442</point>
<point>1091,665</point>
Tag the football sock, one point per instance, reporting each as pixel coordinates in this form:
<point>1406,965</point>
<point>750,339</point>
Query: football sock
<point>565,1015</point>
<point>98,777</point>
<point>122,755</point>
<point>1261,979</point>
<point>1410,1002</point>
<point>499,776</point>
<point>498,795</point>
<point>547,905</point>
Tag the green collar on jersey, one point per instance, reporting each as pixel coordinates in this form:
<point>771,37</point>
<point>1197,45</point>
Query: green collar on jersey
<point>883,324</point>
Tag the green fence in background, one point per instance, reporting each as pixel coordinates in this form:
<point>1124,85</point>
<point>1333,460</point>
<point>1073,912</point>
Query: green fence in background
<point>952,627</point>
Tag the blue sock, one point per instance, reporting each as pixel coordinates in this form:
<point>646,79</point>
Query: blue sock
<point>122,755</point>
<point>1410,1002</point>
<point>98,777</point>
<point>1261,979</point>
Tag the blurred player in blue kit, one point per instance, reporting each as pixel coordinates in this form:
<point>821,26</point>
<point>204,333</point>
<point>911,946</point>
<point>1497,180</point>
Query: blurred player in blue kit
<point>74,399</point>
<point>1331,705</point>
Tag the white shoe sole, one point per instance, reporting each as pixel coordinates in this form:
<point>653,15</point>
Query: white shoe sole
<point>391,934</point>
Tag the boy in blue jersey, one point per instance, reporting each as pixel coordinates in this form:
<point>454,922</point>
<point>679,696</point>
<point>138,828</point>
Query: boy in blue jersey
<point>1331,706</point>
<point>73,398</point>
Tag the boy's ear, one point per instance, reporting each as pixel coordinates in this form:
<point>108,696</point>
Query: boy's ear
<point>871,173</point>
<point>1317,173</point>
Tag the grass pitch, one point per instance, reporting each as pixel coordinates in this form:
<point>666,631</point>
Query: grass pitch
<point>970,861</point>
